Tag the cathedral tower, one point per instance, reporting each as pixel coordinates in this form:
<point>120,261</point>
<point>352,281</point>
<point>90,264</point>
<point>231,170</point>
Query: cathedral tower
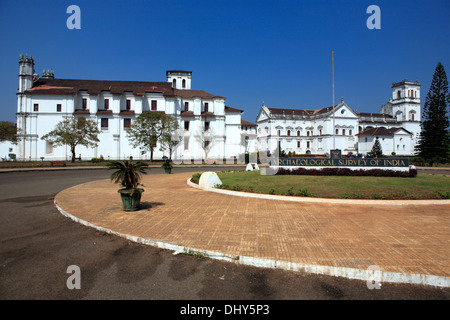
<point>180,79</point>
<point>26,72</point>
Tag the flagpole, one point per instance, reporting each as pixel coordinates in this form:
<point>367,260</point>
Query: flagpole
<point>334,131</point>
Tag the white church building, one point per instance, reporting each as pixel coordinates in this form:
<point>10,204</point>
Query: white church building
<point>208,128</point>
<point>299,131</point>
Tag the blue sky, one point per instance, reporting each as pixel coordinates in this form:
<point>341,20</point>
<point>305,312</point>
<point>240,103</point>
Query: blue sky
<point>278,52</point>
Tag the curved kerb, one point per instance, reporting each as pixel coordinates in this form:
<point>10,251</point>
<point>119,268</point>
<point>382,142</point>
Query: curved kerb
<point>323,200</point>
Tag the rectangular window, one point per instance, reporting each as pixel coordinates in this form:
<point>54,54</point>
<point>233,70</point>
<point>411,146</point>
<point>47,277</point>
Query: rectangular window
<point>298,144</point>
<point>58,107</point>
<point>154,105</point>
<point>186,106</point>
<point>48,147</point>
<point>36,107</point>
<point>206,107</point>
<point>106,104</point>
<point>84,103</point>
<point>126,123</point>
<point>104,123</point>
<point>186,125</point>
<point>128,105</point>
<point>307,144</point>
<point>186,143</point>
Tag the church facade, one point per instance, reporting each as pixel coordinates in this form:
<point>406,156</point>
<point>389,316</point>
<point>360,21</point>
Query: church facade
<point>299,131</point>
<point>208,129</point>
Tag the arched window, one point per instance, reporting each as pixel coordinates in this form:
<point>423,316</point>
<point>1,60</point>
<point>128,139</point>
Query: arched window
<point>337,131</point>
<point>289,133</point>
<point>343,132</point>
<point>398,94</point>
<point>298,133</point>
<point>307,133</point>
<point>349,132</point>
<point>183,83</point>
<point>174,83</point>
<point>279,132</point>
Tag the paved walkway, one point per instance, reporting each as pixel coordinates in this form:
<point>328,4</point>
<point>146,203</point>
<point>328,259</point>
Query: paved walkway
<point>408,243</point>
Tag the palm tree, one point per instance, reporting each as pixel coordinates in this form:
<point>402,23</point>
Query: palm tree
<point>128,173</point>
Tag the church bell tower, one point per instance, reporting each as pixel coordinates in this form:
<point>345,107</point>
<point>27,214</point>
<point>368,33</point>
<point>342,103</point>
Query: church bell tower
<point>26,72</point>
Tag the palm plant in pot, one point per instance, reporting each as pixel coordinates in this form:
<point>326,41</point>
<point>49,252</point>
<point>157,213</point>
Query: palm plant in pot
<point>167,165</point>
<point>128,174</point>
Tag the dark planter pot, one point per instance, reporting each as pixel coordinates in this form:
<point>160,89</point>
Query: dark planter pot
<point>131,198</point>
<point>168,170</point>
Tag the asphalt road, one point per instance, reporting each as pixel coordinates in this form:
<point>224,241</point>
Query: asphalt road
<point>38,244</point>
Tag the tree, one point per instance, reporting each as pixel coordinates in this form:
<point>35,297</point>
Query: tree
<point>434,141</point>
<point>73,132</point>
<point>206,140</point>
<point>8,131</point>
<point>376,151</point>
<point>170,141</point>
<point>149,128</point>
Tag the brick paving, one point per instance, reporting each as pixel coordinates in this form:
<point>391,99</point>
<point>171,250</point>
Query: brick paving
<point>407,239</point>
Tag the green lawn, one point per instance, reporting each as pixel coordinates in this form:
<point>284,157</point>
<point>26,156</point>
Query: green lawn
<point>423,186</point>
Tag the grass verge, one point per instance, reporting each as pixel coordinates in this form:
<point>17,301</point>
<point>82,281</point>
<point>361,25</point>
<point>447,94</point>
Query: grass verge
<point>389,188</point>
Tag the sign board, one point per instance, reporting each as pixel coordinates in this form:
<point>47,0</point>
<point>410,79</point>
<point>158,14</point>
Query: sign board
<point>336,160</point>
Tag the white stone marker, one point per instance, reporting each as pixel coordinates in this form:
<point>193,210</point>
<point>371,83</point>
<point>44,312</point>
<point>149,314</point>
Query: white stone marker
<point>251,167</point>
<point>209,180</point>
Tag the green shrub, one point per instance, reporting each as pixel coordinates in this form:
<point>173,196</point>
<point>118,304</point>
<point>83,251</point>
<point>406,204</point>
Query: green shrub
<point>196,178</point>
<point>290,191</point>
<point>442,195</point>
<point>302,192</point>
